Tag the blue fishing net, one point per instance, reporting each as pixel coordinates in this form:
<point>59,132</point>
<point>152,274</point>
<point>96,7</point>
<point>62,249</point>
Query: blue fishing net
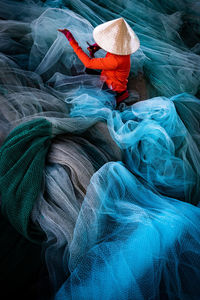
<point>115,207</point>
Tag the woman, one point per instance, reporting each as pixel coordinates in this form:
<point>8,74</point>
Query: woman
<point>120,41</point>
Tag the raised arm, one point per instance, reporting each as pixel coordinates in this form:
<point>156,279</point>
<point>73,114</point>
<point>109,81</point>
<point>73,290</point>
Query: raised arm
<point>106,63</point>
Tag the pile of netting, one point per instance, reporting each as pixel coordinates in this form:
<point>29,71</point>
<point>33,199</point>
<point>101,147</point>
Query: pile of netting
<point>98,202</point>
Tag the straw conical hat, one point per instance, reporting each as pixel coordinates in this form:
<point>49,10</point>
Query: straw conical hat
<point>116,37</point>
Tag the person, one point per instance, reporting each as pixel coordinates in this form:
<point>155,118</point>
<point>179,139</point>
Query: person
<point>120,41</point>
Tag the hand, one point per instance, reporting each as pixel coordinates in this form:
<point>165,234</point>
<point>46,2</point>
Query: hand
<point>93,48</point>
<point>67,33</point>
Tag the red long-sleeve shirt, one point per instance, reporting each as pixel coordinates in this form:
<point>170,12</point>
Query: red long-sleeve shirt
<point>115,68</point>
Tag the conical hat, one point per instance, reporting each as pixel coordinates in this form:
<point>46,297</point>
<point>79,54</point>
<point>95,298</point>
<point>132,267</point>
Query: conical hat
<point>116,37</point>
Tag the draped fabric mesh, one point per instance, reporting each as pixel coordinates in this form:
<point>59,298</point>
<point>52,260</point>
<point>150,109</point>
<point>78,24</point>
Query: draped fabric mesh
<point>99,202</point>
<point>22,159</point>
